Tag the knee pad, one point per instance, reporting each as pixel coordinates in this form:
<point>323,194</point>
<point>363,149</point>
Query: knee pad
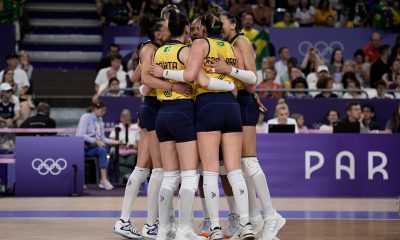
<point>190,180</point>
<point>210,179</point>
<point>139,175</point>
<point>222,168</point>
<point>157,173</point>
<point>250,166</point>
<point>235,176</point>
<point>171,180</point>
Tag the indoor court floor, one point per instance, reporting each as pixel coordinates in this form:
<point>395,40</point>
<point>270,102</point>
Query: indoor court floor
<point>94,217</point>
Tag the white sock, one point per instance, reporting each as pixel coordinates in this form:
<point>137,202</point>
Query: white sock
<point>153,190</point>
<point>205,211</point>
<point>255,215</point>
<point>136,179</point>
<point>232,204</point>
<point>240,193</point>
<point>169,185</point>
<point>189,184</point>
<point>257,177</point>
<point>211,193</point>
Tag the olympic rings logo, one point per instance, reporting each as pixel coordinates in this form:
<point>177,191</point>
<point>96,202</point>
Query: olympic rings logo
<point>49,166</point>
<point>323,49</point>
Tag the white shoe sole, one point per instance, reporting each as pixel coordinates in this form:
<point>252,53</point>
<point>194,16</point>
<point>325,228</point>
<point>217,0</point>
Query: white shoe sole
<point>125,236</point>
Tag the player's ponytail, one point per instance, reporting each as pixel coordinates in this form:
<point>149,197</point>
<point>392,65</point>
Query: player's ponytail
<point>211,20</point>
<point>177,23</point>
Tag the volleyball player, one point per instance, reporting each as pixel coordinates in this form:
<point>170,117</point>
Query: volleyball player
<point>249,110</point>
<point>218,121</point>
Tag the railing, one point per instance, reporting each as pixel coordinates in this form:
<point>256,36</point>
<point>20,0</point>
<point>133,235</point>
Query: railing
<point>315,90</point>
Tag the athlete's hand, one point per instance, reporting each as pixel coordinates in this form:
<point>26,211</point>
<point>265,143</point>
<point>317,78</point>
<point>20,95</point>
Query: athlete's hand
<point>219,66</point>
<point>235,91</point>
<point>261,106</point>
<point>156,71</point>
<point>183,88</point>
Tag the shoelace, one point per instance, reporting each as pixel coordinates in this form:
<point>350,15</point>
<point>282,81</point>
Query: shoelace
<point>272,225</point>
<point>128,226</point>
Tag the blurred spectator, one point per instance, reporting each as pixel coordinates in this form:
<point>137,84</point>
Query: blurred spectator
<point>395,49</point>
<point>325,83</point>
<point>112,89</point>
<point>133,62</point>
<point>91,128</point>
<point>347,77</point>
<point>396,86</point>
<point>368,114</point>
<point>372,49</point>
<point>151,7</point>
<point>20,76</point>
<point>353,111</point>
<point>385,14</point>
<point>239,7</point>
<point>393,124</point>
<point>335,65</point>
<point>395,70</point>
<point>129,135</point>
<point>281,66</point>
<point>9,111</point>
<point>305,14</point>
<point>361,68</point>
<point>380,66</point>
<point>310,62</point>
<point>25,64</point>
<point>269,83</point>
<point>105,74</point>
<point>133,10</point>
<point>114,14</point>
<point>42,119</point>
<point>267,63</point>
<point>113,49</point>
<point>381,88</point>
<point>282,116</point>
<point>300,121</point>
<point>312,78</point>
<point>288,21</point>
<point>198,9</point>
<point>248,26</point>
<point>262,13</point>
<point>361,13</point>
<point>332,117</point>
<point>353,84</point>
<point>299,83</point>
<point>323,12</point>
<point>295,72</point>
<point>261,124</point>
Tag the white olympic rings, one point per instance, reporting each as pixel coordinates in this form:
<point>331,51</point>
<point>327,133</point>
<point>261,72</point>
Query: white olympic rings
<point>49,166</point>
<point>323,49</point>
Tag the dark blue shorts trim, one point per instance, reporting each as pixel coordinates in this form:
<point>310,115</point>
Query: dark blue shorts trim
<point>248,108</point>
<point>148,113</point>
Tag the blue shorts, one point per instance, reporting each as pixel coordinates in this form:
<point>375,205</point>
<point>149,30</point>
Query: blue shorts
<point>148,113</point>
<point>248,108</point>
<point>175,121</point>
<point>218,112</point>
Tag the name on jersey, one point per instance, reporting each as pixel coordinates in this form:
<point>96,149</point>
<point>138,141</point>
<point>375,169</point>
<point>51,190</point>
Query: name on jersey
<point>168,65</point>
<point>229,61</point>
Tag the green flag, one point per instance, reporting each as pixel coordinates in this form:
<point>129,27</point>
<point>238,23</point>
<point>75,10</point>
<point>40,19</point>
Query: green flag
<point>262,49</point>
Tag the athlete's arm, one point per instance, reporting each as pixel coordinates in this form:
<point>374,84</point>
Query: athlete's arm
<point>136,75</point>
<point>249,59</point>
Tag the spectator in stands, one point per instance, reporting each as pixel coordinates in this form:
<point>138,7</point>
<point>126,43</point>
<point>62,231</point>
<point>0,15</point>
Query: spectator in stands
<point>113,49</point>
<point>239,7</point>
<point>133,7</point>
<point>372,49</point>
<point>151,7</point>
<point>312,78</point>
<point>282,116</point>
<point>395,49</point>
<point>299,121</point>
<point>393,124</point>
<point>20,76</point>
<point>332,117</point>
<point>91,128</point>
<point>396,86</point>
<point>359,58</point>
<point>380,66</point>
<point>9,111</point>
<point>288,21</point>
<point>353,111</point>
<point>295,72</point>
<point>129,135</point>
<point>336,63</point>
<point>248,26</point>
<point>361,13</point>
<point>353,84</point>
<point>267,62</point>
<point>262,13</point>
<point>368,114</point>
<point>361,69</point>
<point>323,12</point>
<point>261,124</point>
<point>281,66</point>
<point>325,83</point>
<point>395,70</point>
<point>114,14</point>
<point>25,64</point>
<point>311,61</point>
<point>198,9</point>
<point>299,83</point>
<point>105,74</point>
<point>305,14</point>
<point>269,83</point>
<point>111,90</point>
<point>133,62</point>
<point>42,119</point>
<point>381,93</point>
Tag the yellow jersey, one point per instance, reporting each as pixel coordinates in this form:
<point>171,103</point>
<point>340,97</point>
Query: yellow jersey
<point>251,34</point>
<point>153,92</point>
<point>217,47</point>
<point>167,57</point>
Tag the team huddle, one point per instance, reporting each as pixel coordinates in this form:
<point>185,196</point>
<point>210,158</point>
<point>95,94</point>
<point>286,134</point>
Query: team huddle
<point>198,121</point>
